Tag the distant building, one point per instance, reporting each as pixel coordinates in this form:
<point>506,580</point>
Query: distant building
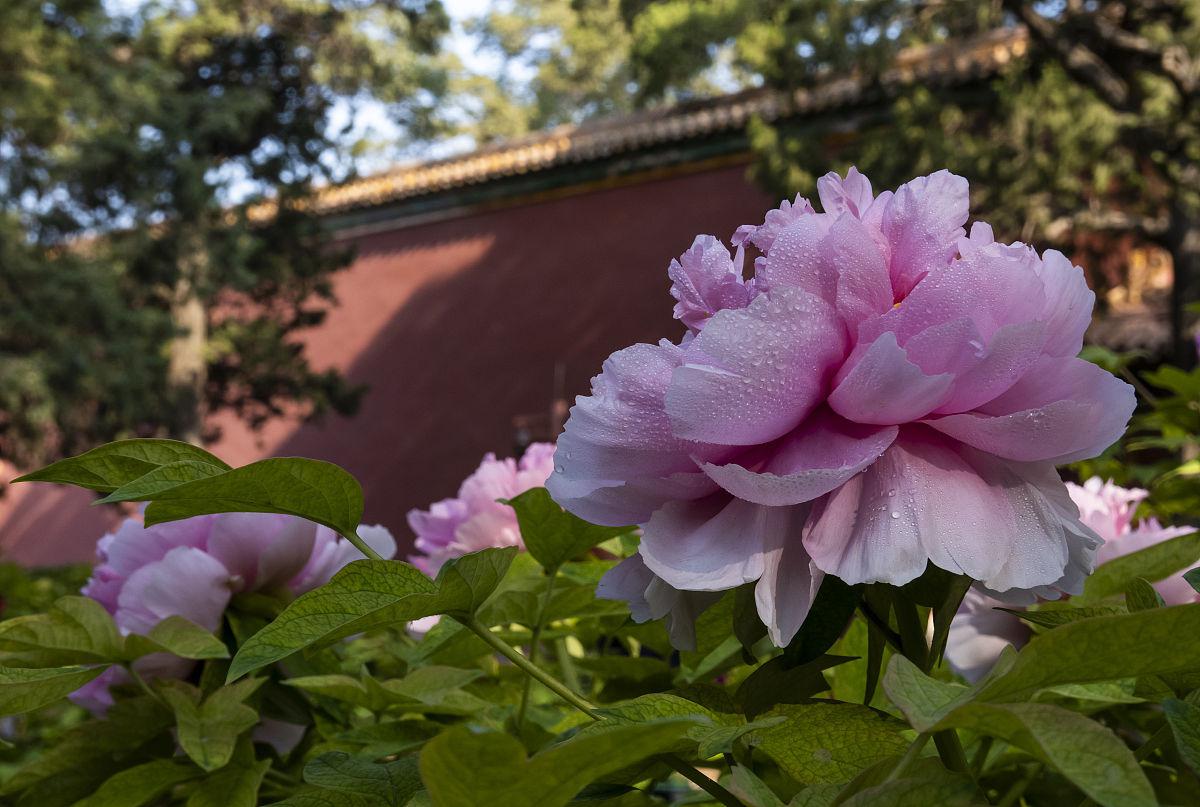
<point>488,288</point>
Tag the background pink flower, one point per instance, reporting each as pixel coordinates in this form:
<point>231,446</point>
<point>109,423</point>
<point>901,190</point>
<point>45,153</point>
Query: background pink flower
<point>192,568</point>
<point>886,392</point>
<point>475,520</point>
<point>979,632</point>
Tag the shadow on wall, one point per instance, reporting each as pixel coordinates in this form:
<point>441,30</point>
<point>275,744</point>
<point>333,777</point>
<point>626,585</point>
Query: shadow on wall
<point>457,326</point>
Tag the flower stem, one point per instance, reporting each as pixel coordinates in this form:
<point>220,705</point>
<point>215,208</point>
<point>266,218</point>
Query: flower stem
<point>535,645</point>
<point>512,654</point>
<point>363,547</point>
<point>1020,786</point>
<point>701,781</point>
<point>551,683</point>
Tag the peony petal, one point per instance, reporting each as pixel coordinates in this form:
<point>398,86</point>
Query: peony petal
<point>789,584</point>
<point>632,502</point>
<point>763,236</point>
<point>850,195</point>
<point>649,597</point>
<point>821,454</point>
<point>925,500</point>
<point>618,461</point>
<point>754,374</point>
<point>883,387</point>
<point>798,259</point>
<point>705,280</point>
<point>923,224</point>
<point>1012,351</point>
<point>1062,410</point>
<point>1068,304</point>
<point>714,543</point>
<point>263,549</point>
<point>863,287</point>
<point>919,502</point>
<point>187,582</point>
<point>992,288</point>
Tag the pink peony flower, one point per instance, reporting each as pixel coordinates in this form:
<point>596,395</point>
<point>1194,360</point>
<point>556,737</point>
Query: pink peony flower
<point>475,520</point>
<point>192,568</point>
<point>979,632</point>
<point>885,393</point>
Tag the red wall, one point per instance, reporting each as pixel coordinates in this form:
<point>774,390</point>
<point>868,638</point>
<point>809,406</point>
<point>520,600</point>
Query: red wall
<point>457,326</point>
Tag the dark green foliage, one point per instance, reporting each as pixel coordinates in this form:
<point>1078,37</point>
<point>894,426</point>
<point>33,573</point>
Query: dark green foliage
<point>157,256</point>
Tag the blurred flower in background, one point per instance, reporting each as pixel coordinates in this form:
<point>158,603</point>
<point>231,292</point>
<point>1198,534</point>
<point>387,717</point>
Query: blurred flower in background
<point>475,520</point>
<point>979,632</point>
<point>193,567</point>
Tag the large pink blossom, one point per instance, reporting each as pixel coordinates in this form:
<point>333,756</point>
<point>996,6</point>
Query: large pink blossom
<point>885,393</point>
<point>475,519</point>
<point>979,632</point>
<point>192,568</point>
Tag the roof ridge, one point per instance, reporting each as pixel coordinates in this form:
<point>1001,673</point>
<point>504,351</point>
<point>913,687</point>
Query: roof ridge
<point>950,62</point>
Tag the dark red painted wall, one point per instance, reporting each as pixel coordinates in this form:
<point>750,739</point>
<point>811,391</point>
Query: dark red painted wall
<point>457,326</point>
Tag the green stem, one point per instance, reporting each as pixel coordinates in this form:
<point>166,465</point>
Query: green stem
<point>512,654</point>
<point>951,751</point>
<point>981,754</point>
<point>1156,741</point>
<point>145,687</point>
<point>561,690</point>
<point>910,756</point>
<point>362,546</point>
<point>701,781</point>
<point>535,645</point>
<point>1020,786</point>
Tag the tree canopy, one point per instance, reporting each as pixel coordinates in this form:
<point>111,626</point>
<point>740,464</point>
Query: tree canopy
<point>157,260</point>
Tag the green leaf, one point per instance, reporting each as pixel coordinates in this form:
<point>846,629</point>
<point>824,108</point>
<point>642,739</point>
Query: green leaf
<point>831,612</point>
<point>370,594</point>
<point>713,732</point>
<point>235,785</point>
<point>24,690</point>
<point>1056,617</point>
<point>1103,648</point>
<point>108,467</point>
<point>552,535</point>
<point>776,681</point>
<point>829,742</point>
<point>178,636</point>
<point>464,769</point>
<point>162,478</point>
<point>208,732</point>
<point>1141,596</point>
<point>928,783</point>
<point>95,747</point>
<point>140,784</point>
<point>392,783</point>
<point>1184,719</point>
<point>312,489</point>
<point>76,630</point>
<point>433,690</point>
<point>752,790</point>
<point>1083,751</point>
<point>1193,578</point>
<point>1153,563</point>
<point>922,699</point>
